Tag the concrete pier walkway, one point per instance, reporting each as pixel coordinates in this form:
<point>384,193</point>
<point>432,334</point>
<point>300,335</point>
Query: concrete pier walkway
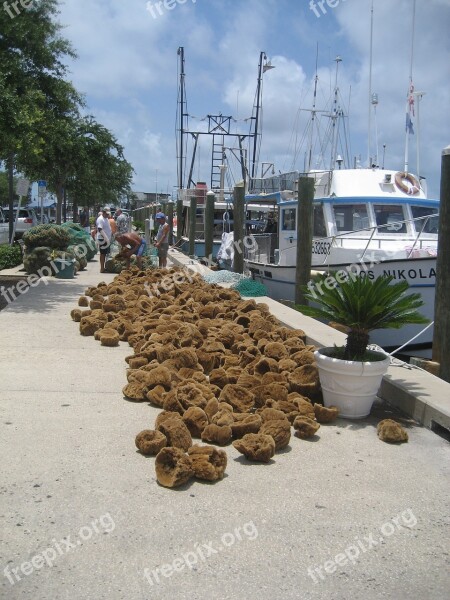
<point>343,517</point>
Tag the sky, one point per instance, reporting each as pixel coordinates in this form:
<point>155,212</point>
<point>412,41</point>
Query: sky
<point>128,70</point>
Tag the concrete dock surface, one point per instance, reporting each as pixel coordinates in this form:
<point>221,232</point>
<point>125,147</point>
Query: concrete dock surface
<point>344,516</point>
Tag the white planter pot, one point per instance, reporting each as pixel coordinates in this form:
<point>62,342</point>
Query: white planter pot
<point>350,385</point>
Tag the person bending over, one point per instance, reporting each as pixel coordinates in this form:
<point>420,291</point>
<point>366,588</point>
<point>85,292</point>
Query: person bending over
<point>131,244</point>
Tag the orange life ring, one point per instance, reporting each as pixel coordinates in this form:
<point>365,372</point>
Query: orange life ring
<point>413,188</point>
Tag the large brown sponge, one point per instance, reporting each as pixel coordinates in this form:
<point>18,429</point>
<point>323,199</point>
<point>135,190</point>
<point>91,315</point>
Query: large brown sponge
<point>280,431</point>
<point>208,463</point>
<point>256,446</point>
<point>177,433</point>
<point>150,442</point>
<point>173,467</point>
<point>392,432</point>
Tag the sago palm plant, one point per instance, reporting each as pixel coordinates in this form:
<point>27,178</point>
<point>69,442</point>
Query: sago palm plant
<point>363,304</point>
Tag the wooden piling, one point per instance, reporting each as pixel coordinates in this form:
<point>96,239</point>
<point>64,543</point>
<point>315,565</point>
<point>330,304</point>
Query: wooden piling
<point>170,221</point>
<point>179,220</point>
<point>441,336</point>
<point>209,225</point>
<point>238,228</point>
<point>192,227</point>
<point>304,236</point>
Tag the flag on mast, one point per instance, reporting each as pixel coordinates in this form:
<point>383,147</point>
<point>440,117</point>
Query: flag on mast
<point>410,109</point>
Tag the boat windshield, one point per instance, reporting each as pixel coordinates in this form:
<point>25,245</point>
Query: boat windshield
<point>350,217</point>
<point>431,224</point>
<point>388,217</point>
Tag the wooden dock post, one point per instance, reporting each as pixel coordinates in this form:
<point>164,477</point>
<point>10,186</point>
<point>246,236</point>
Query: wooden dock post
<point>180,224</point>
<point>238,228</point>
<point>170,221</point>
<point>441,336</point>
<point>304,235</point>
<point>192,227</point>
<point>209,225</point>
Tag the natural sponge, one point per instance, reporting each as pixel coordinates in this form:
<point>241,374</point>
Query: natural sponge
<point>244,423</point>
<point>208,463</point>
<point>173,467</point>
<point>196,420</point>
<point>256,446</point>
<point>150,442</point>
<point>109,337</point>
<point>305,427</point>
<point>392,432</point>
<point>177,433</point>
<point>241,400</point>
<point>217,434</point>
<point>325,414</point>
<point>280,430</point>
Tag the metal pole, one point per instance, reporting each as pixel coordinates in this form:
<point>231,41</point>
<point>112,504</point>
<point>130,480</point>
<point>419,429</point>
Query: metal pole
<point>304,235</point>
<point>441,337</point>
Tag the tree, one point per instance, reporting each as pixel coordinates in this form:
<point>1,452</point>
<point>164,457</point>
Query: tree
<point>102,174</point>
<point>32,54</point>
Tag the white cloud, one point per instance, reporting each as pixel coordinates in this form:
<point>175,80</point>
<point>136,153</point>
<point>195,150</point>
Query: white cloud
<point>127,67</point>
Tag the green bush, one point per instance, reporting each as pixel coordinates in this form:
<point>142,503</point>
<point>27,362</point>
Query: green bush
<point>10,256</point>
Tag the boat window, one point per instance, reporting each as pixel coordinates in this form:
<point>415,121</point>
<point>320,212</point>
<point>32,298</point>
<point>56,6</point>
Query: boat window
<point>288,219</point>
<point>431,224</point>
<point>388,217</point>
<point>319,227</point>
<point>350,217</point>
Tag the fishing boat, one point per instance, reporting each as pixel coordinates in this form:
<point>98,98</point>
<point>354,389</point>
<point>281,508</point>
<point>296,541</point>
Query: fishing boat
<point>367,221</point>
<point>229,149</point>
<point>370,221</point>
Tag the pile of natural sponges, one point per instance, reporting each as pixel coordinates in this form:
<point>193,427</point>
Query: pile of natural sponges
<point>221,368</point>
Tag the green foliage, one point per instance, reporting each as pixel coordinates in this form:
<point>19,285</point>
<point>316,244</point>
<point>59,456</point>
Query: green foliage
<point>47,235</point>
<point>363,304</point>
<point>10,256</point>
<point>140,225</point>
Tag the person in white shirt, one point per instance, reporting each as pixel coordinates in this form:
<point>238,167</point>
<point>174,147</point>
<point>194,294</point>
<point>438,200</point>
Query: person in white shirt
<point>104,234</point>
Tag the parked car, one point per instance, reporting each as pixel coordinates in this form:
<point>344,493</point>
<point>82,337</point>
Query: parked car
<point>27,219</point>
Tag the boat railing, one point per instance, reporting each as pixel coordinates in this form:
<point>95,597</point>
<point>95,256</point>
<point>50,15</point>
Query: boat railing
<point>263,249</point>
<point>417,243</point>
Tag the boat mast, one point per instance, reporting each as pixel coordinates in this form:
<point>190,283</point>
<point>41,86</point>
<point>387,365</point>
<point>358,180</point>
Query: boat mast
<point>369,133</point>
<point>334,117</point>
<point>263,66</point>
<point>181,116</point>
<point>410,94</point>
<point>313,113</point>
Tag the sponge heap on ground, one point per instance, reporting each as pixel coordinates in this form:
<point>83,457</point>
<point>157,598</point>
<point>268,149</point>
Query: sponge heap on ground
<point>221,368</point>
